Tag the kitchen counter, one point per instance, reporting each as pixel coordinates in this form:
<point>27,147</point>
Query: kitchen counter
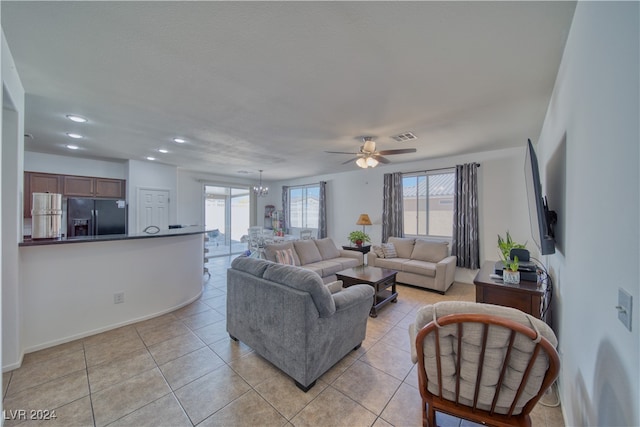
<point>75,290</point>
<point>184,231</point>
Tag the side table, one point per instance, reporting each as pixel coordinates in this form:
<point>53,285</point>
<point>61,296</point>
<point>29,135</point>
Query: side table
<point>530,297</point>
<point>364,249</point>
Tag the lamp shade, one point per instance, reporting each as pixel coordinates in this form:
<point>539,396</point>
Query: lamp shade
<point>363,220</point>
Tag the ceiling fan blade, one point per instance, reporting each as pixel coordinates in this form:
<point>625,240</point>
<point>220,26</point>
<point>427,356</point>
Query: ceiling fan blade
<point>340,152</point>
<point>351,160</point>
<point>382,159</point>
<point>399,151</point>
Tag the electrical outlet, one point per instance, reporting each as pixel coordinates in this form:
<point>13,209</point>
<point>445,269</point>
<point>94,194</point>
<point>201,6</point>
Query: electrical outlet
<point>118,298</point>
<point>624,307</point>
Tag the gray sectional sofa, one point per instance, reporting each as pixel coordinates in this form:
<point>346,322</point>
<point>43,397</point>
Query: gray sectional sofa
<point>291,318</point>
<point>419,262</point>
<point>318,255</point>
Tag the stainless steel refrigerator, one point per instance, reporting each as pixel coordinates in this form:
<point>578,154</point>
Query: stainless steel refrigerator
<point>95,217</point>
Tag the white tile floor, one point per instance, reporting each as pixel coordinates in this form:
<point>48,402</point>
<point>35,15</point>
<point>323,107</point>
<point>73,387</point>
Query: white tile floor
<point>181,369</point>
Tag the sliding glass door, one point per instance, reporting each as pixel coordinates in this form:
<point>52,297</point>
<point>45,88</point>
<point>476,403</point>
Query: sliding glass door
<point>227,214</point>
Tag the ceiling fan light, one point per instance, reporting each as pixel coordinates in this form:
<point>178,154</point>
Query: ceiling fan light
<point>369,146</point>
<point>371,162</point>
<point>362,163</point>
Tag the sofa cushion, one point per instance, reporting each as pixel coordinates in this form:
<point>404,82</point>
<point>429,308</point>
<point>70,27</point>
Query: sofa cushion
<point>255,267</point>
<point>335,287</point>
<point>389,250</point>
<point>403,245</point>
<point>307,251</point>
<point>423,268</point>
<point>425,250</point>
<point>347,262</point>
<point>270,251</point>
<point>378,251</point>
<point>327,248</point>
<point>327,268</point>
<point>392,263</point>
<point>303,280</point>
<point>285,256</point>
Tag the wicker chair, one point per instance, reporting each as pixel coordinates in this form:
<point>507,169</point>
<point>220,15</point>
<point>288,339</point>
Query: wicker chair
<point>484,363</point>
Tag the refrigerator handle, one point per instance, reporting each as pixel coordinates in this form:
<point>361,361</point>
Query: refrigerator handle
<point>95,222</point>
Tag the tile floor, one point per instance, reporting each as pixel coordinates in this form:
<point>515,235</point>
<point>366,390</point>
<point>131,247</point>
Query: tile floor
<point>181,369</point>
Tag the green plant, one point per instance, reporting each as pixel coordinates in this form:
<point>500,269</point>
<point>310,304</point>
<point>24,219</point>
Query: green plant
<point>505,245</point>
<point>359,236</point>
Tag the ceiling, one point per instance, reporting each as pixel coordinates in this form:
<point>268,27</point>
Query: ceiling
<point>273,85</point>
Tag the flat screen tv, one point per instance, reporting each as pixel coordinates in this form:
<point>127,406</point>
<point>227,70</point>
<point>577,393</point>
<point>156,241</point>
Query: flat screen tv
<point>541,218</point>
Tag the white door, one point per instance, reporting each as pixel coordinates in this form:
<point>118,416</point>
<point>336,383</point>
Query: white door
<point>153,209</point>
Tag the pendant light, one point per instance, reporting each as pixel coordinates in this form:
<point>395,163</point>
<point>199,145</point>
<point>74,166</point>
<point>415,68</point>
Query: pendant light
<point>259,190</point>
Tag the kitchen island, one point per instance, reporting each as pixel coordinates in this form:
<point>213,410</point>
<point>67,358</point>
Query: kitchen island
<point>72,288</point>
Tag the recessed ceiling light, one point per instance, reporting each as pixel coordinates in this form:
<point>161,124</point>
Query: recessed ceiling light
<point>163,151</point>
<point>77,119</point>
<point>74,135</point>
<point>151,158</point>
<point>179,140</point>
<point>72,147</point>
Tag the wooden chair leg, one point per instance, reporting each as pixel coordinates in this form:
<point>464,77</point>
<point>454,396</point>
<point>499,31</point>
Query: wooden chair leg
<point>432,416</point>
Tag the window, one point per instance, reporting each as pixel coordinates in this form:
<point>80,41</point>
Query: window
<point>304,206</point>
<point>428,203</point>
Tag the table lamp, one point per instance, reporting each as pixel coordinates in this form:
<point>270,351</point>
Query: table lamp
<point>363,220</point>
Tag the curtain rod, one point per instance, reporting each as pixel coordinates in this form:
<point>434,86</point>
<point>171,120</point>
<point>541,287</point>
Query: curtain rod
<point>438,169</point>
<point>305,185</point>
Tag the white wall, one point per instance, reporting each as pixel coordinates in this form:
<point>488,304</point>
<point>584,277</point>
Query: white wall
<point>11,204</point>
<point>589,155</point>
<point>66,165</point>
<point>502,193</point>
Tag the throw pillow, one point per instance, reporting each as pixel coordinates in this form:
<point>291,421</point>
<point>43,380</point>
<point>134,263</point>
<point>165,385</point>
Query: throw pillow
<point>389,250</point>
<point>285,256</point>
<point>335,287</point>
<point>378,251</point>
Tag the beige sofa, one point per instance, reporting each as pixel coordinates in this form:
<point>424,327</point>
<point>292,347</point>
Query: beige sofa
<point>321,256</point>
<point>419,262</point>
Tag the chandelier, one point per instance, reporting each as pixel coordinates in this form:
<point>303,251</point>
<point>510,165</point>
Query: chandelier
<point>259,190</point>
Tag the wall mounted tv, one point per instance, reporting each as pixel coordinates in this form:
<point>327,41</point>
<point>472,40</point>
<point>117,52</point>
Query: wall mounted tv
<point>541,218</point>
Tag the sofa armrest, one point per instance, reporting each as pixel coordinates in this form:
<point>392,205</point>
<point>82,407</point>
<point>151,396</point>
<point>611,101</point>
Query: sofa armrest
<point>353,295</point>
<point>445,272</point>
<point>371,258</point>
<point>352,254</point>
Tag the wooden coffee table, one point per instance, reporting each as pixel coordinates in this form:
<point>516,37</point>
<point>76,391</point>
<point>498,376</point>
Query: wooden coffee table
<point>380,278</point>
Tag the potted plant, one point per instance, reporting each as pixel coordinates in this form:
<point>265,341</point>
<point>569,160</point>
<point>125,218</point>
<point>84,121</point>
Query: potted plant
<point>510,273</point>
<point>358,238</point>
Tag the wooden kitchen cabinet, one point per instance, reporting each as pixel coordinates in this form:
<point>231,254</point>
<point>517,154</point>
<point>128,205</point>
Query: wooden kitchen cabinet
<point>70,186</point>
<point>112,188</point>
<point>79,186</point>
<point>86,186</point>
<point>35,182</point>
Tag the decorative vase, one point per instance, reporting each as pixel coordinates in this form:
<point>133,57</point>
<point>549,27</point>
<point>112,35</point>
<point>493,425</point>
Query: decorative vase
<point>512,277</point>
<point>358,243</point>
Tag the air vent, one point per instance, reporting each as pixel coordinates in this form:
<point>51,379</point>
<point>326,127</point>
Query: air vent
<point>407,136</point>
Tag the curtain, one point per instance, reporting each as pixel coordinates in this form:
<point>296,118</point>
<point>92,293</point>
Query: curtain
<point>322,211</point>
<point>465,242</point>
<point>392,212</point>
<point>286,215</point>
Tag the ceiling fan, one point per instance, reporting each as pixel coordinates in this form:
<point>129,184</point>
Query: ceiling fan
<point>368,157</point>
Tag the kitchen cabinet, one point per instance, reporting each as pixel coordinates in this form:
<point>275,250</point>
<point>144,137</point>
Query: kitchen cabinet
<point>87,186</point>
<point>36,182</point>
<point>79,186</point>
<point>70,186</point>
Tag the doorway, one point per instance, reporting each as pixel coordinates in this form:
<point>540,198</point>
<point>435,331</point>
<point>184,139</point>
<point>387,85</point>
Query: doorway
<point>153,209</point>
<point>227,215</point>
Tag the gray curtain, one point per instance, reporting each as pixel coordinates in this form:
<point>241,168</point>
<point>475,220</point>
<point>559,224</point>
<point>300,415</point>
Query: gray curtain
<point>465,244</point>
<point>322,208</point>
<point>392,212</point>
<point>286,215</point>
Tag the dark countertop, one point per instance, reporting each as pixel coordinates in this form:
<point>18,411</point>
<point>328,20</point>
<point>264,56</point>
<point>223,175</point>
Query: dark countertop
<point>184,231</point>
